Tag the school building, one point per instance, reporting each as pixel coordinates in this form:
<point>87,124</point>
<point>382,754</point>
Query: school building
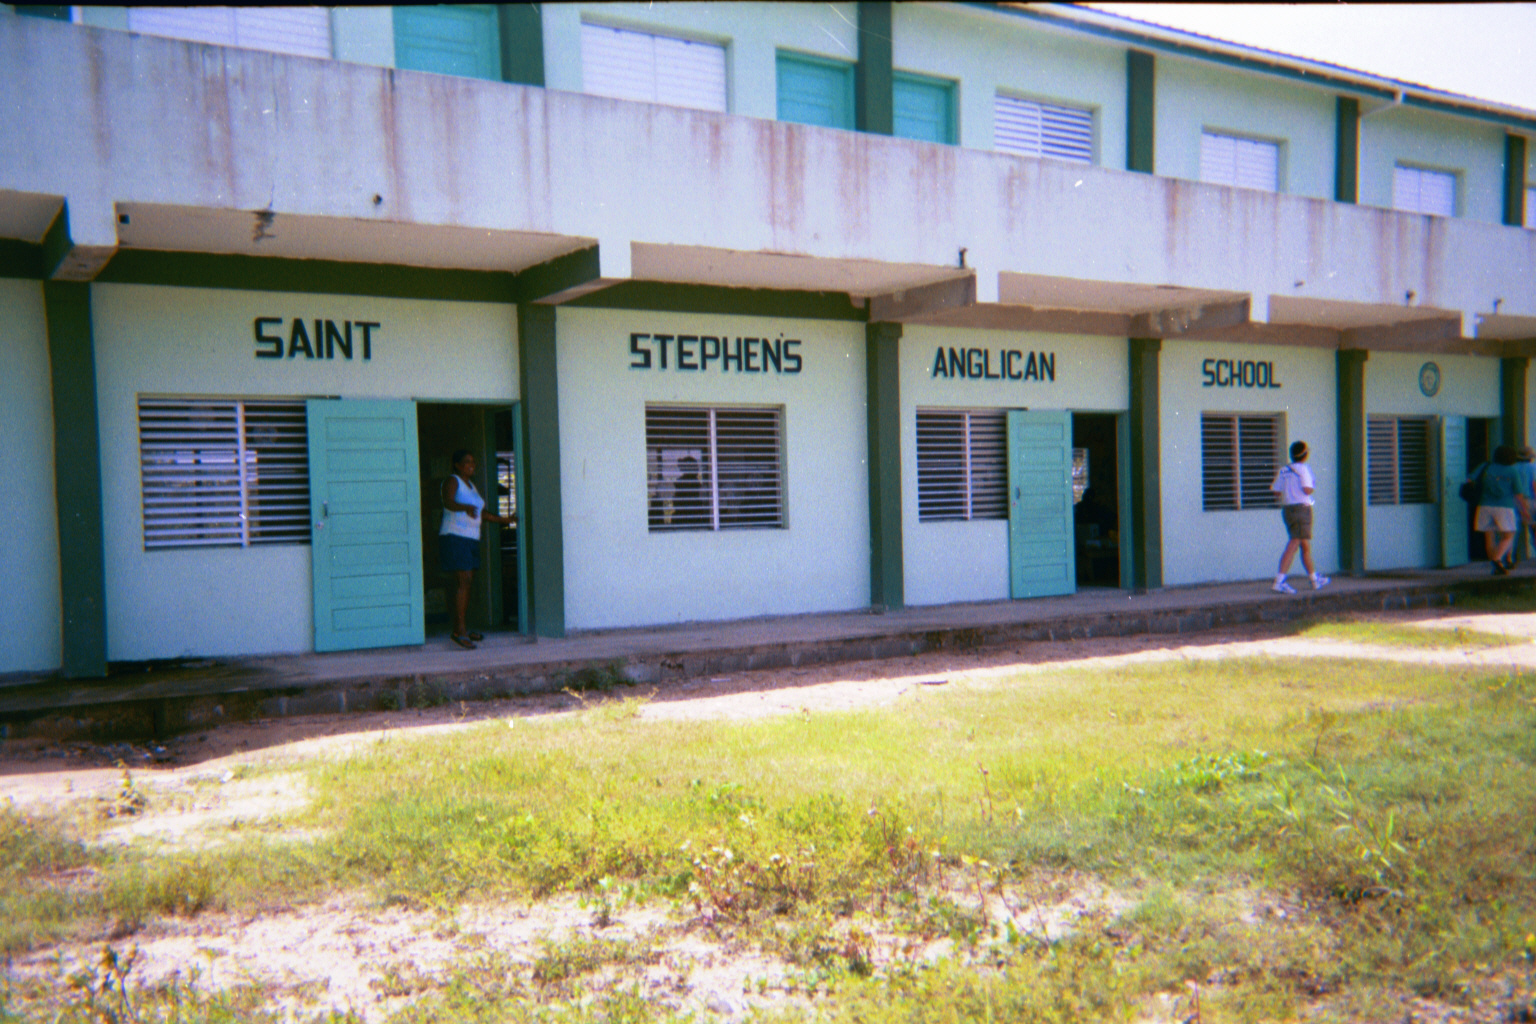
<point>749,309</point>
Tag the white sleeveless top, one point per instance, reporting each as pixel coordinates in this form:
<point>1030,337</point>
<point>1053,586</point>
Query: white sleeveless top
<point>460,524</point>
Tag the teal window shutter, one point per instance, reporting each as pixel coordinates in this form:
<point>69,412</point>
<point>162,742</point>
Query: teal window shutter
<point>462,40</point>
<point>925,108</point>
<point>815,91</point>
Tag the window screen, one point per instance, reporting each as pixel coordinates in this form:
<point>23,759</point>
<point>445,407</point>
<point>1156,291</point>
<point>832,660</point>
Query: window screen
<point>1239,457</point>
<point>714,468</point>
<point>814,91</point>
<point>223,472</point>
<point>962,464</point>
<point>1245,163</point>
<point>304,31</point>
<point>1416,190</point>
<point>1031,128</point>
<point>924,108</point>
<point>649,68</point>
<point>1397,460</point>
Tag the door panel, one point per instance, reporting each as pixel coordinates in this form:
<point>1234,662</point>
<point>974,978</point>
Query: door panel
<point>366,546</point>
<point>1041,556</point>
<point>1453,511</point>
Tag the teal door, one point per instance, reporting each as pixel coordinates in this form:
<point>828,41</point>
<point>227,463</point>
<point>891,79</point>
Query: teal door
<point>366,512</point>
<point>1041,555</point>
<point>449,40</point>
<point>1453,511</point>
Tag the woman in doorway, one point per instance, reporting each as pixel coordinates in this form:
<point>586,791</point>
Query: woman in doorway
<point>458,542</point>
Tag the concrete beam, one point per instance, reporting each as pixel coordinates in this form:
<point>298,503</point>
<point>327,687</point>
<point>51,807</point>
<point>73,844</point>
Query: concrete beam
<point>916,305</point>
<point>1177,321</point>
<point>1442,334</point>
<point>77,246</point>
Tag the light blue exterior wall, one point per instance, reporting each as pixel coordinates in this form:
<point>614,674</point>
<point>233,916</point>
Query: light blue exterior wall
<point>752,34</point>
<point>1193,97</point>
<point>1208,547</point>
<point>1408,536</point>
<point>29,543</point>
<point>987,53</point>
<point>1472,149</point>
<point>618,573</point>
<point>947,562</point>
<point>154,340</point>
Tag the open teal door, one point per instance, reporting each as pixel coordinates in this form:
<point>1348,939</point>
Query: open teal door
<point>1041,555</point>
<point>366,511</point>
<point>1453,511</point>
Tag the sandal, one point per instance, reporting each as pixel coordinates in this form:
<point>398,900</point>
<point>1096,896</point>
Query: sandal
<point>477,636</point>
<point>463,641</point>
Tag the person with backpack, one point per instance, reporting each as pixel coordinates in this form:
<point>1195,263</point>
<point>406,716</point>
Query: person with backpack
<point>1295,484</point>
<point>1498,497</point>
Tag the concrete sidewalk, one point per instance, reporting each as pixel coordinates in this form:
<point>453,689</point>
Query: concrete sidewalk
<point>162,699</point>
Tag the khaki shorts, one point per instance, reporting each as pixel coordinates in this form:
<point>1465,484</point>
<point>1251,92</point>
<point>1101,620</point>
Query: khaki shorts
<point>1492,517</point>
<point>1298,521</point>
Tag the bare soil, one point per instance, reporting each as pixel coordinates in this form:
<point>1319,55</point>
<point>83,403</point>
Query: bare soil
<point>350,955</point>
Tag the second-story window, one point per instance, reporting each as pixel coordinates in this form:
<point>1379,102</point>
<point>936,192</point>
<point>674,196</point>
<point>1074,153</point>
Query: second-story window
<point>629,65</point>
<point>1243,163</point>
<point>1530,206</point>
<point>923,108</point>
<point>1034,128</point>
<point>814,90</point>
<point>302,31</point>
<point>446,39</point>
<point>1420,190</point>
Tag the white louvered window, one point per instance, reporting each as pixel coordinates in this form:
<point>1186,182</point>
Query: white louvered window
<point>714,468</point>
<point>220,471</point>
<point>630,65</point>
<point>962,464</point>
<point>1416,190</point>
<point>1244,163</point>
<point>1239,456</point>
<point>1032,128</point>
<point>1530,207</point>
<point>1397,460</point>
<point>302,31</point>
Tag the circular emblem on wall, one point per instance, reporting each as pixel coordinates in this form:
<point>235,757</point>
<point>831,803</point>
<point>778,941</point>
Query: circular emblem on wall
<point>1429,379</point>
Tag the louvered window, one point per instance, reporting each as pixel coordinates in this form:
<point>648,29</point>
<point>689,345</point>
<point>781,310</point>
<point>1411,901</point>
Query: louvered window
<point>1416,190</point>
<point>231,472</point>
<point>1530,207</point>
<point>962,464</point>
<point>1239,457</point>
<point>714,468</point>
<point>1245,163</point>
<point>303,31</point>
<point>1031,128</point>
<point>1397,460</point>
<point>640,66</point>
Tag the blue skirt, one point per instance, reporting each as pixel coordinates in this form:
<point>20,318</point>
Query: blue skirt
<point>457,554</point>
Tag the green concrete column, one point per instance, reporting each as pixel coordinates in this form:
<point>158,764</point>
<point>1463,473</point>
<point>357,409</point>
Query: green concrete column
<point>874,108</point>
<point>1514,180</point>
<point>1352,460</point>
<point>1512,399</point>
<point>1140,111</point>
<point>541,523</point>
<point>1346,150</point>
<point>521,27</point>
<point>1145,456</point>
<point>77,480</point>
<point>882,348</point>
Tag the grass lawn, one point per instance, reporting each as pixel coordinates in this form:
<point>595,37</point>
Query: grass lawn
<point>1285,839</point>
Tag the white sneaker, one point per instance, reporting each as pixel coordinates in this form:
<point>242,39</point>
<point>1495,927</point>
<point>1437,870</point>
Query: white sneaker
<point>1283,588</point>
<point>1320,582</point>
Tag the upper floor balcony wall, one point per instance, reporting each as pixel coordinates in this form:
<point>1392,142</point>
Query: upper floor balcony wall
<point>103,119</point>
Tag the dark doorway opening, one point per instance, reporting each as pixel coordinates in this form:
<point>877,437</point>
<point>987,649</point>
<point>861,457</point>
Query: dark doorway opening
<point>1481,441</point>
<point>442,428</point>
<point>1096,499</point>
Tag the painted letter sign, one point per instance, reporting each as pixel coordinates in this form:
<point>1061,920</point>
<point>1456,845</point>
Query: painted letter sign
<point>1235,373</point>
<point>314,339</point>
<point>987,364</point>
<point>698,352</point>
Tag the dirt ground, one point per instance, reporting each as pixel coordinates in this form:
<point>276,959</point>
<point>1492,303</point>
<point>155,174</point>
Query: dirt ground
<point>350,955</point>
